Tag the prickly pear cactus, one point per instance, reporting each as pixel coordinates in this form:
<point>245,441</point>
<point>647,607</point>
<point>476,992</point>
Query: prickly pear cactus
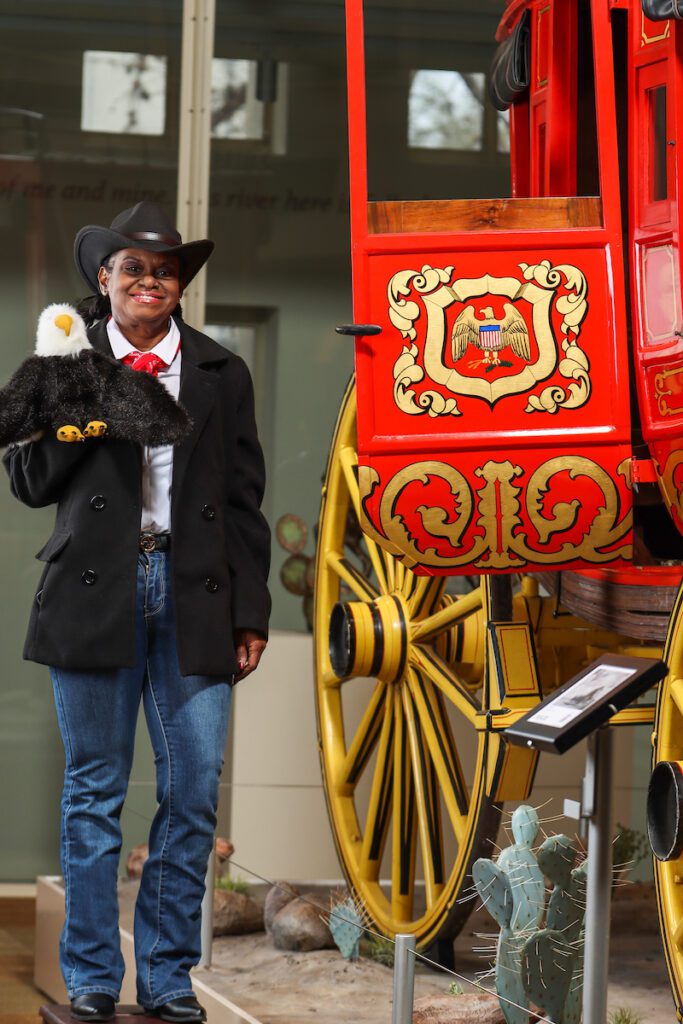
<point>346,925</point>
<point>547,971</point>
<point>557,859</point>
<point>543,965</point>
<point>521,866</point>
<point>552,959</point>
<point>495,889</point>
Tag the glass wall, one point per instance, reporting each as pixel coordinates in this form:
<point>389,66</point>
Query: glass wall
<point>279,214</point>
<point>89,126</point>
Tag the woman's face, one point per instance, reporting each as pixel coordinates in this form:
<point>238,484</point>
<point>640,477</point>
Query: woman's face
<point>143,287</point>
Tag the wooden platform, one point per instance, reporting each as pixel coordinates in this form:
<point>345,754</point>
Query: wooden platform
<point>124,1015</point>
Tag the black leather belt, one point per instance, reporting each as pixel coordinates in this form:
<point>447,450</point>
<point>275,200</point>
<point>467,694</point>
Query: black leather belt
<point>155,542</point>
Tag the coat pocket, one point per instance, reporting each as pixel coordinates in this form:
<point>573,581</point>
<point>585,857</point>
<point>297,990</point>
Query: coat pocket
<point>55,545</point>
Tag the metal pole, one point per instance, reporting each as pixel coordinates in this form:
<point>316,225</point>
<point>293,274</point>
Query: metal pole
<point>597,802</point>
<point>207,911</point>
<point>404,979</point>
<point>194,153</point>
<point>194,144</point>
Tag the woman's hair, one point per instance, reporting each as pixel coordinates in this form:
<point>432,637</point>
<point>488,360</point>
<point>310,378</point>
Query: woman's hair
<point>98,307</point>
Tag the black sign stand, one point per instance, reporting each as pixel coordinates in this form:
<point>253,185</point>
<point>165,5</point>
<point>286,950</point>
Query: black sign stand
<point>579,709</point>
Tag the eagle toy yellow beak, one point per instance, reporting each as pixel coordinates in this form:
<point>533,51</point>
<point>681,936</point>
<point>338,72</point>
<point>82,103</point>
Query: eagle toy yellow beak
<point>64,321</point>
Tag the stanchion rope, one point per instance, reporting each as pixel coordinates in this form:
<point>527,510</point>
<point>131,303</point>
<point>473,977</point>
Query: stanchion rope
<point>371,931</point>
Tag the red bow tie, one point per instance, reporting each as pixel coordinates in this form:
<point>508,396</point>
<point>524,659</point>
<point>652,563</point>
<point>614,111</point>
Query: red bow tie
<point>145,362</point>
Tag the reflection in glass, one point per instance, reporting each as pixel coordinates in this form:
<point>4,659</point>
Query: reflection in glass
<point>123,93</point>
<point>239,338</point>
<point>658,177</point>
<point>236,113</point>
<point>503,131</point>
<point>446,110</point>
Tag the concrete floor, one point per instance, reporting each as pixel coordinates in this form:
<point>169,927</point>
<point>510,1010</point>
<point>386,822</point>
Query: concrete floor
<point>293,988</point>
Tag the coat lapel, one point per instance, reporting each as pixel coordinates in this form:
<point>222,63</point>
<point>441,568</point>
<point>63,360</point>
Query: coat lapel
<point>197,395</point>
<point>197,386</point>
<point>99,339</point>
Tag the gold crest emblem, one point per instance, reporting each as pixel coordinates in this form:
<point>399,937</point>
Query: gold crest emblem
<point>522,339</point>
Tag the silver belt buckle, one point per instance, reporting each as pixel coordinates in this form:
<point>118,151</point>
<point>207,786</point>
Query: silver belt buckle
<point>148,542</point>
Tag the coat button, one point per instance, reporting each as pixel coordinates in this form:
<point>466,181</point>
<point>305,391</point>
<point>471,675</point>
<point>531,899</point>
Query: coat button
<point>210,585</point>
<point>98,502</point>
<point>89,577</point>
<point>209,512</point>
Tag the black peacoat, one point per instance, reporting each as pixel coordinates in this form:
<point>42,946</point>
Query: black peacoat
<point>83,612</point>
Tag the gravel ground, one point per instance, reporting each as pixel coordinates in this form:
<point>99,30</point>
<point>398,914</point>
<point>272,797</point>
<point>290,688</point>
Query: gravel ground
<point>293,988</point>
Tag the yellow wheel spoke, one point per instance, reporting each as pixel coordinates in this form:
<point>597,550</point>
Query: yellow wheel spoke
<point>365,739</point>
<point>390,569</point>
<point>391,771</point>
<point>428,807</point>
<point>425,594</point>
<point>404,820</point>
<point>377,564</point>
<point>410,581</point>
<point>439,740</point>
<point>379,808</point>
<point>357,583</point>
<point>328,678</point>
<point>349,464</point>
<point>431,665</point>
<point>448,616</point>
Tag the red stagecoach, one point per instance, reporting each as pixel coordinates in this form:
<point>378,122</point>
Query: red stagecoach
<point>519,382</point>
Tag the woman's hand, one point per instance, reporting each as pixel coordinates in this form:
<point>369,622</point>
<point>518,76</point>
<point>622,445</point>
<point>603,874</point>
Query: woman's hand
<point>249,646</point>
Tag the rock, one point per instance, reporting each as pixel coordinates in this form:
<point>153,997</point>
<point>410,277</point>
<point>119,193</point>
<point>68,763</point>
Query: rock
<point>224,851</point>
<point>278,897</point>
<point>139,854</point>
<point>474,1008</point>
<point>136,860</point>
<point>299,926</point>
<point>234,913</point>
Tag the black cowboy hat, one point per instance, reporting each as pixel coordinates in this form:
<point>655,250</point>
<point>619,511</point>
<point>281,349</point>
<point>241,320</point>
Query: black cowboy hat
<point>143,226</point>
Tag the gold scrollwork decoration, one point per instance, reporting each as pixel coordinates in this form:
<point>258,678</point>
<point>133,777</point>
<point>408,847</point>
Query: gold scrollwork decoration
<point>574,365</point>
<point>490,528</point>
<point>668,391</point>
<point>407,371</point>
<point>671,490</point>
<point>608,528</point>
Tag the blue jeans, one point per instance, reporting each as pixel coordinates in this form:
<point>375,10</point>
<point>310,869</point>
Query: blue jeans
<point>187,718</point>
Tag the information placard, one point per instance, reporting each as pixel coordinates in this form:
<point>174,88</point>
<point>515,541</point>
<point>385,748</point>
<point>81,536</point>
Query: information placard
<point>586,702</point>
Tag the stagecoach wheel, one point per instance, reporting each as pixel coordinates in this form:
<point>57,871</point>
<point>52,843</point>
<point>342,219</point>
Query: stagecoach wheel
<point>408,779</point>
<point>664,802</point>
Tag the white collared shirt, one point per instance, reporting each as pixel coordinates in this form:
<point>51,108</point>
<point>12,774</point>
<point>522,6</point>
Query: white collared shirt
<point>157,463</point>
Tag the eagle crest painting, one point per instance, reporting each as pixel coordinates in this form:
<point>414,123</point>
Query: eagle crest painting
<point>491,335</point>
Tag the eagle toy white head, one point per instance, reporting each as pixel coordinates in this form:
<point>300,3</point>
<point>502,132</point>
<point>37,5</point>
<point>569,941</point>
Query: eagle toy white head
<point>61,331</point>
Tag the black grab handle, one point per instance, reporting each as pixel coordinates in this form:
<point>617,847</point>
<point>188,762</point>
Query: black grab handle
<point>358,330</point>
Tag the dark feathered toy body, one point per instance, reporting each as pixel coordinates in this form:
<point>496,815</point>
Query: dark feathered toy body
<point>70,388</point>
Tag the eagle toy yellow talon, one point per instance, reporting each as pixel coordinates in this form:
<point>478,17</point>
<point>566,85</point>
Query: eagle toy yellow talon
<point>96,428</point>
<point>69,433</point>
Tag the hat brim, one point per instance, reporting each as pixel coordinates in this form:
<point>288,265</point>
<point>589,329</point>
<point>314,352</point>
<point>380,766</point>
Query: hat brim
<point>94,244</point>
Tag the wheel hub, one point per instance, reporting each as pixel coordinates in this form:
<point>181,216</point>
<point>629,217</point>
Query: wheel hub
<point>370,638</point>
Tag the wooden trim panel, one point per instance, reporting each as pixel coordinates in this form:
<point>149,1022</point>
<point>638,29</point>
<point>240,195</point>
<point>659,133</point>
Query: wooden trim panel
<point>545,213</point>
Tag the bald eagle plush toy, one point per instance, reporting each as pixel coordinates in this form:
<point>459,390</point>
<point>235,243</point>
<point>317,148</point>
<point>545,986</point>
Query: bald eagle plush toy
<point>69,387</point>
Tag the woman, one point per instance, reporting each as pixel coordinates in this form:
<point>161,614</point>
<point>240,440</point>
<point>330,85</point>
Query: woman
<point>154,589</point>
